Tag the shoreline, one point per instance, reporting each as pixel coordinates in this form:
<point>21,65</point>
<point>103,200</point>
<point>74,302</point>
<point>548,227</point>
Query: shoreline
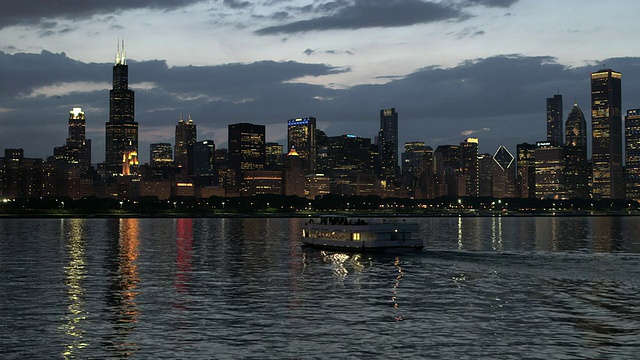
<point>78,215</point>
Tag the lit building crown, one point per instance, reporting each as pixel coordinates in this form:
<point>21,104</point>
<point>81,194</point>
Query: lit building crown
<point>121,58</point>
<point>293,152</point>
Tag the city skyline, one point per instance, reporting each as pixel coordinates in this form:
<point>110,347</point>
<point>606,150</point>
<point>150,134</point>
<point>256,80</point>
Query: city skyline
<point>452,71</point>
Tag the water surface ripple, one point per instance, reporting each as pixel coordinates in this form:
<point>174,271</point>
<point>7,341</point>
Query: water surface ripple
<point>498,288</point>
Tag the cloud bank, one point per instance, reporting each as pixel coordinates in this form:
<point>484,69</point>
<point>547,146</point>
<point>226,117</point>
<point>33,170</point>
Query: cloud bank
<point>505,94</point>
<point>372,13</point>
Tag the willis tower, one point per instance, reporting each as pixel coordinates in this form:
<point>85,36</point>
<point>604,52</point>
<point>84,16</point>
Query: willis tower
<point>121,142</point>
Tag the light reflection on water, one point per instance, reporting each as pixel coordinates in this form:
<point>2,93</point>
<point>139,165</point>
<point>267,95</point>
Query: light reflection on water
<point>123,290</point>
<point>497,287</point>
<point>75,272</point>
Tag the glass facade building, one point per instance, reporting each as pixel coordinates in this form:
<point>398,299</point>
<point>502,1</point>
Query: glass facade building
<point>301,134</point>
<point>606,124</point>
<point>632,154</point>
<point>388,145</point>
<point>576,175</point>
<point>554,120</point>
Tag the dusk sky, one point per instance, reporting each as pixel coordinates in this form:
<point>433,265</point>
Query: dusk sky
<point>452,69</point>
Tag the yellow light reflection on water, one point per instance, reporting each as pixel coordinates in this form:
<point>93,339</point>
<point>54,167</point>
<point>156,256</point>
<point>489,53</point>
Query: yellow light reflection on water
<point>496,233</point>
<point>184,254</point>
<point>396,284</point>
<point>460,244</point>
<point>125,288</point>
<point>128,268</point>
<point>75,273</point>
<point>340,261</point>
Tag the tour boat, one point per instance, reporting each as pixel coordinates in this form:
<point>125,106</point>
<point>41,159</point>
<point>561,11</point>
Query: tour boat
<point>336,232</point>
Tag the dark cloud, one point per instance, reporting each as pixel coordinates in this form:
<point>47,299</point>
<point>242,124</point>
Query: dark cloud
<point>371,13</point>
<point>275,2</point>
<point>280,15</point>
<point>332,6</point>
<point>469,32</point>
<point>502,97</point>
<point>235,4</point>
<point>22,73</point>
<point>32,12</point>
<point>310,52</point>
<point>492,3</point>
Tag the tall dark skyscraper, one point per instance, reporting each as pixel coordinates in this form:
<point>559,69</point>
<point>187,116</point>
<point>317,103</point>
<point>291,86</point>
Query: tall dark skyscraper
<point>349,154</point>
<point>246,148</point>
<point>121,140</point>
<point>504,173</point>
<point>186,137</point>
<point>469,165</point>
<point>632,154</point>
<point>550,171</point>
<point>412,159</point>
<point>204,158</point>
<point>388,145</point>
<point>576,169</point>
<point>526,170</point>
<point>554,120</point>
<point>301,134</point>
<point>606,124</point>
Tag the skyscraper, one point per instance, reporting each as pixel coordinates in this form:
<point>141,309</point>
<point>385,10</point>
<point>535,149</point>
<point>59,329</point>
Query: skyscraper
<point>204,158</point>
<point>526,170</point>
<point>504,173</point>
<point>413,164</point>
<point>301,134</point>
<point>160,155</point>
<point>294,180</point>
<point>448,180</point>
<point>22,177</point>
<point>412,159</point>
<point>469,165</point>
<point>486,169</point>
<point>246,148</point>
<point>349,154</point>
<point>549,171</point>
<point>447,159</point>
<point>554,120</point>
<point>632,154</point>
<point>275,155</point>
<point>606,118</point>
<point>388,145</point>
<point>186,137</point>
<point>77,150</point>
<point>161,161</point>
<point>121,140</point>
<point>576,175</point>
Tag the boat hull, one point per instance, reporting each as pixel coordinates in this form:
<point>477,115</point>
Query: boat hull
<point>362,248</point>
<point>361,237</point>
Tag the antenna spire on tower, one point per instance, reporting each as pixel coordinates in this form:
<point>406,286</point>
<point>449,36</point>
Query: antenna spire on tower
<point>120,54</point>
<point>123,57</point>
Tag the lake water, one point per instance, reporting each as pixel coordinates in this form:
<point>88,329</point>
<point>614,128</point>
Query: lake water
<point>499,288</point>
